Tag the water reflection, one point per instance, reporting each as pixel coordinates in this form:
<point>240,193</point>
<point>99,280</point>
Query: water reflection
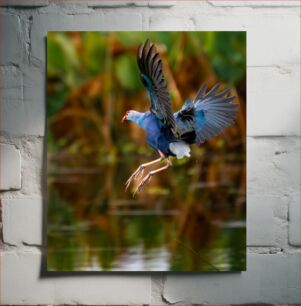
<point>94,228</point>
<point>82,250</point>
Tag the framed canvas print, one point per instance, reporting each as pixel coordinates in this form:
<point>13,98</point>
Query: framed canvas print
<point>146,151</point>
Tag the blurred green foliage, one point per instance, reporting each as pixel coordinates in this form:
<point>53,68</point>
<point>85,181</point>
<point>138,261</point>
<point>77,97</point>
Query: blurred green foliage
<point>227,53</point>
<point>124,67</point>
<point>74,61</point>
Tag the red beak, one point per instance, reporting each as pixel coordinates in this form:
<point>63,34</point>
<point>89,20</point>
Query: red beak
<point>123,118</point>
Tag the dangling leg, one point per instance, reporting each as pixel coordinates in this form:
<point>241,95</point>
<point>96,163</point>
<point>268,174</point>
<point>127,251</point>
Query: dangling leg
<point>139,171</point>
<point>148,177</point>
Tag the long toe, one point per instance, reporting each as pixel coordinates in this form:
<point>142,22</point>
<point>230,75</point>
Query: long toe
<point>128,182</point>
<point>144,181</point>
<point>138,173</point>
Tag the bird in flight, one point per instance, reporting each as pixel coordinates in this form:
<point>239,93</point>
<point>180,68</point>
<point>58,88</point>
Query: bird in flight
<point>171,134</point>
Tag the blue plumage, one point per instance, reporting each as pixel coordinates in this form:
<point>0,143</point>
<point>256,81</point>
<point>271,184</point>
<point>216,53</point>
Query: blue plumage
<point>171,133</point>
<point>158,136</point>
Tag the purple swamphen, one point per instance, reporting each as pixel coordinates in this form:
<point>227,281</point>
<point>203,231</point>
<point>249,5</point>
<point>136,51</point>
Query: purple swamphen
<point>170,133</point>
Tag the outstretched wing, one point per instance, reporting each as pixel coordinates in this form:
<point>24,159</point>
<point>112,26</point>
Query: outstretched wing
<point>150,65</point>
<point>207,115</point>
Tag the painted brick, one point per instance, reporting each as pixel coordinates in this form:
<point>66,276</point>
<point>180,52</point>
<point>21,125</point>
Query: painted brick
<point>268,279</point>
<point>294,220</point>
<point>43,23</point>
<point>162,3</point>
<point>22,221</point>
<point>273,165</point>
<point>170,23</point>
<point>263,228</point>
<point>34,101</point>
<point>265,31</point>
<point>24,3</point>
<point>12,95</point>
<point>265,48</point>
<point>11,46</point>
<point>276,90</point>
<point>257,4</point>
<point>23,106</point>
<point>11,84</point>
<point>287,160</point>
<point>157,281</point>
<point>66,7</point>
<point>125,3</point>
<point>22,284</point>
<point>32,167</point>
<point>10,169</point>
<point>116,3</point>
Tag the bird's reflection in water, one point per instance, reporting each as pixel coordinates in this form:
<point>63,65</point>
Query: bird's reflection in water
<point>94,226</point>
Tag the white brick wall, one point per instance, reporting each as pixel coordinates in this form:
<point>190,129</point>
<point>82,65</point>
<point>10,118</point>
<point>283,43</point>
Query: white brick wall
<point>22,214</point>
<point>273,151</point>
<point>10,168</point>
<point>22,284</point>
<point>294,220</point>
<point>271,278</point>
<point>12,48</point>
<point>24,3</point>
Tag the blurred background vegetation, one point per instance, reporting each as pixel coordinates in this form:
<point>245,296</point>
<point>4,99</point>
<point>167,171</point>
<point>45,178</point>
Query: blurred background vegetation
<point>190,218</point>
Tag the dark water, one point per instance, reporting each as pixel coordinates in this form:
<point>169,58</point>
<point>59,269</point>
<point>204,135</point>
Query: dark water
<point>191,218</point>
<point>150,249</point>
